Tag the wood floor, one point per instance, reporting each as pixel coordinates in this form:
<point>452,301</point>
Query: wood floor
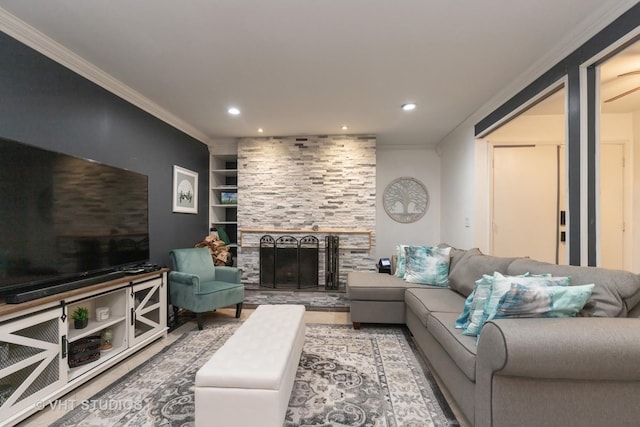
<point>48,415</point>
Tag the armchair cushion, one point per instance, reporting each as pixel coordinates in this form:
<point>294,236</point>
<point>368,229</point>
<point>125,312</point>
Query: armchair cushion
<point>212,295</point>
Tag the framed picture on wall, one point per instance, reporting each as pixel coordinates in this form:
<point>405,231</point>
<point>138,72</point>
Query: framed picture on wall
<point>185,190</point>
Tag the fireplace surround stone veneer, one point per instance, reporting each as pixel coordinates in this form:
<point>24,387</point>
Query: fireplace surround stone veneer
<point>308,184</point>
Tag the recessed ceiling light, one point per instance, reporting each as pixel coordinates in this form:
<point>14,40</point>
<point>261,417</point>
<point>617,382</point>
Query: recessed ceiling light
<point>260,130</point>
<point>409,106</point>
<point>344,127</point>
<point>233,111</point>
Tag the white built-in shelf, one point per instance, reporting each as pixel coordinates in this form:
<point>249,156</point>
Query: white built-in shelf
<point>223,176</point>
<point>94,327</point>
<point>225,172</point>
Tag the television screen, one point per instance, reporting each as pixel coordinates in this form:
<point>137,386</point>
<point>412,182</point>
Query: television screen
<point>62,217</point>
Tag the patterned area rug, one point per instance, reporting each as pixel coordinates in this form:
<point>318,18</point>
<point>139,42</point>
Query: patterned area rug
<point>346,377</point>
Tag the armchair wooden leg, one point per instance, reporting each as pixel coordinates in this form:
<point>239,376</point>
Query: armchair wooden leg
<point>238,310</point>
<point>199,320</point>
<point>356,325</point>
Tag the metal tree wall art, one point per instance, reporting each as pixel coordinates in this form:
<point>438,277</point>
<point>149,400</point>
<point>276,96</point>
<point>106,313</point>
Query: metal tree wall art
<point>405,200</point>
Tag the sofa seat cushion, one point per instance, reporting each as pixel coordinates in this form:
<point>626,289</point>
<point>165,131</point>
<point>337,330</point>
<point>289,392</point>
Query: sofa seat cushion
<point>370,286</point>
<point>423,301</point>
<point>461,348</point>
<point>615,294</point>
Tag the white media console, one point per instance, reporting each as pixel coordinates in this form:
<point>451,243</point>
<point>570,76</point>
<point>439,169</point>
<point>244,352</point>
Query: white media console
<point>38,341</point>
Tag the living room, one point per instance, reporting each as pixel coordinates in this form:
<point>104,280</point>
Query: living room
<point>53,98</point>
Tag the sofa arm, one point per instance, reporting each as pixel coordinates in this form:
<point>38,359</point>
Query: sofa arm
<point>568,348</point>
<point>179,278</point>
<point>576,365</point>
<point>229,274</point>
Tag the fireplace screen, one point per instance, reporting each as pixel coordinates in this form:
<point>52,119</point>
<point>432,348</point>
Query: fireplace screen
<point>288,262</point>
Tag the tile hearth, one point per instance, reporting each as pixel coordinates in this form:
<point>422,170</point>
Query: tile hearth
<point>314,301</point>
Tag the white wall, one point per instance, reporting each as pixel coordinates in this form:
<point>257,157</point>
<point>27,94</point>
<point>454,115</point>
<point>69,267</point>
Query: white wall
<point>458,195</point>
<point>395,160</point>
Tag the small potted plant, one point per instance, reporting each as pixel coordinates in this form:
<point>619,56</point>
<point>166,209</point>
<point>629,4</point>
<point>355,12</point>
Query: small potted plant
<point>80,317</point>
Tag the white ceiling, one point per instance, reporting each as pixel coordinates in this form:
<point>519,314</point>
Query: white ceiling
<point>304,67</point>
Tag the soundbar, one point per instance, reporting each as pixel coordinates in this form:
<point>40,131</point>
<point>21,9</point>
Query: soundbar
<point>25,295</point>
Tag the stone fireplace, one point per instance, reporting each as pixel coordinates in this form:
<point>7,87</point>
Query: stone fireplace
<point>312,186</point>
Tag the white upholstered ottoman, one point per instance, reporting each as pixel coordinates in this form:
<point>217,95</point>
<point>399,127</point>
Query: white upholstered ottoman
<point>248,381</point>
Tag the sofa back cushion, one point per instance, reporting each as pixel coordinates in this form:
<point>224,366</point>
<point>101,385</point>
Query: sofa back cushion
<point>457,254</point>
<point>615,294</point>
<point>472,266</point>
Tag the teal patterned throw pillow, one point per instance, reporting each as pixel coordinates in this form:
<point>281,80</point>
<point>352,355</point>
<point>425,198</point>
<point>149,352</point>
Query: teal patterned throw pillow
<point>481,288</point>
<point>462,320</point>
<point>543,301</point>
<point>427,265</point>
<point>502,284</point>
<point>492,292</point>
<point>402,261</point>
<point>481,291</point>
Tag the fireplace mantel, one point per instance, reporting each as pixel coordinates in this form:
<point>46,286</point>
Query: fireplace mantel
<point>363,243</point>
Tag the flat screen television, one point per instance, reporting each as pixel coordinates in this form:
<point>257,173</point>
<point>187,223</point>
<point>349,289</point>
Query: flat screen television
<point>64,219</point>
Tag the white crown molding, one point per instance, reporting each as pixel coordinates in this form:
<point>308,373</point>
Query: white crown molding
<point>38,41</point>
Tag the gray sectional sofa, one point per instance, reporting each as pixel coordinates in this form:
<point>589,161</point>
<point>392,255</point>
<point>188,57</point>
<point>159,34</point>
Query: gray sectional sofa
<point>578,371</point>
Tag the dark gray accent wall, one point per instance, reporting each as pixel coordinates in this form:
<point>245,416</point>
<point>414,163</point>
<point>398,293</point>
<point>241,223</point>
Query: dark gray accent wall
<point>574,213</point>
<point>46,105</point>
<point>591,160</point>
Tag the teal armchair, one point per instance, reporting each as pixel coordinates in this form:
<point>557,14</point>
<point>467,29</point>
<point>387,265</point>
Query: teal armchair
<point>195,284</point>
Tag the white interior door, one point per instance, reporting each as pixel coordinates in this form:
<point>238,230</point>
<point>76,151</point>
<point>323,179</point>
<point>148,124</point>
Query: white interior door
<point>611,248</point>
<point>525,201</point>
